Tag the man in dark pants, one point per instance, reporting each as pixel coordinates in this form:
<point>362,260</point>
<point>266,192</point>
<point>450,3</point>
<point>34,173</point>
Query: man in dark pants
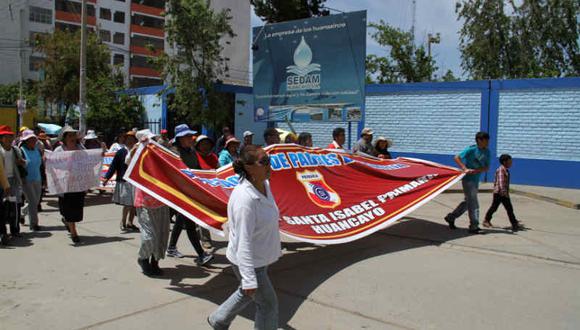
<point>184,147</point>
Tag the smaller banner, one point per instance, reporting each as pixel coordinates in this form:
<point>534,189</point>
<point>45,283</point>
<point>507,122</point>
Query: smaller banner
<point>107,160</point>
<point>73,171</point>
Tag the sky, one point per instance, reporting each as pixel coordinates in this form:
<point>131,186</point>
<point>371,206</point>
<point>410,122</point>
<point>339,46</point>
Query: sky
<point>432,16</point>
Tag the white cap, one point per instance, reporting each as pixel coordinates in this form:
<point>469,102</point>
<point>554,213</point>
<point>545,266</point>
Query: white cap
<point>248,133</point>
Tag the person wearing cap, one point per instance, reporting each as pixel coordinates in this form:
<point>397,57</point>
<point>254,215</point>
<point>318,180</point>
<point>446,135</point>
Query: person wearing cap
<point>123,193</point>
<point>365,144</point>
<point>382,145</point>
<point>32,183</point>
<point>91,141</point>
<point>230,152</point>
<point>14,168</point>
<point>338,138</point>
<point>183,146</point>
<point>271,136</point>
<point>153,217</point>
<point>71,204</point>
<point>4,190</point>
<point>248,139</point>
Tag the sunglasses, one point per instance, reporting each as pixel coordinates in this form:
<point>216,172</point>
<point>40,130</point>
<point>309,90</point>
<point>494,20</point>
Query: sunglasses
<point>265,161</point>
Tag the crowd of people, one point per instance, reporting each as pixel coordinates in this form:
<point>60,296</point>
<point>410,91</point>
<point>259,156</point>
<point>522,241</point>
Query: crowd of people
<point>254,241</point>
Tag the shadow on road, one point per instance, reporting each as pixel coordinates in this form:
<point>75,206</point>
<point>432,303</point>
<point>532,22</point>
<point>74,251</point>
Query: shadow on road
<point>304,267</point>
<point>94,240</point>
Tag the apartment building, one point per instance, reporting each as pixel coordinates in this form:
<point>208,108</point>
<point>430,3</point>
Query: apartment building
<point>125,26</point>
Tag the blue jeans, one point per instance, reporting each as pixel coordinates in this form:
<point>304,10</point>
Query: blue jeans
<point>469,204</point>
<point>266,317</point>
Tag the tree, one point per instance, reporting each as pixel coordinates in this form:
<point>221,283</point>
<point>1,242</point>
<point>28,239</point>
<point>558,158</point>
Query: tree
<point>192,70</point>
<point>107,111</point>
<point>449,76</point>
<point>10,93</point>
<point>273,11</point>
<point>405,63</point>
<point>530,38</point>
<point>61,66</point>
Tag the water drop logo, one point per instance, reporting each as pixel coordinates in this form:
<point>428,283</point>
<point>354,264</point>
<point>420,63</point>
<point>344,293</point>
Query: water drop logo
<point>300,77</point>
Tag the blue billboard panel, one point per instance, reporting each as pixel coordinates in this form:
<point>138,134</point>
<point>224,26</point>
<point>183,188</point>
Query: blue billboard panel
<point>311,69</point>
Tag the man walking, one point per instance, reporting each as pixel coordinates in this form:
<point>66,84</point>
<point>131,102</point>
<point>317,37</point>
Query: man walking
<point>473,160</point>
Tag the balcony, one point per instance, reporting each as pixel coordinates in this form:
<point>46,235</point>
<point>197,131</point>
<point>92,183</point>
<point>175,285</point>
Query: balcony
<point>147,31</point>
<point>147,72</point>
<point>73,17</point>
<point>145,51</point>
<point>135,7</point>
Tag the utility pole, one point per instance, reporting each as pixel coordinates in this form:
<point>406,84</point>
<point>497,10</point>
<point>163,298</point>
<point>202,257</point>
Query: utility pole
<point>413,18</point>
<point>83,71</point>
<point>21,103</point>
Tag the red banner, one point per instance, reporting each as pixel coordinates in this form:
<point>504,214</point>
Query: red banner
<point>324,196</point>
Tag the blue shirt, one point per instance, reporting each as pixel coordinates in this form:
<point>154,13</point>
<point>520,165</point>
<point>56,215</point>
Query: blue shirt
<point>474,158</point>
<point>33,162</point>
<point>225,157</point>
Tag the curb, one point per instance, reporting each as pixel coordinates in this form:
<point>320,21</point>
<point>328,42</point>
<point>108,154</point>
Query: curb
<point>556,201</point>
<point>552,200</point>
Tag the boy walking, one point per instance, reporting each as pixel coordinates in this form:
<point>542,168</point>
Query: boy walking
<point>501,193</point>
<point>473,160</point>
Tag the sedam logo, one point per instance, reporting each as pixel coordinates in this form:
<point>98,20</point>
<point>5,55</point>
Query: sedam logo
<point>301,77</point>
<point>318,190</point>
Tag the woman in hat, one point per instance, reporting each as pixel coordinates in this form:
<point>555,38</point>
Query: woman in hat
<point>230,152</point>
<point>14,164</point>
<point>32,183</point>
<point>382,148</point>
<point>71,204</point>
<point>123,194</point>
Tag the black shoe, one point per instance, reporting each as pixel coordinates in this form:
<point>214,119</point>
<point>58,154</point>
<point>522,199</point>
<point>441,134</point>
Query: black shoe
<point>3,239</point>
<point>75,239</point>
<point>476,231</point>
<point>155,270</point>
<point>450,222</point>
<point>35,228</point>
<point>145,266</point>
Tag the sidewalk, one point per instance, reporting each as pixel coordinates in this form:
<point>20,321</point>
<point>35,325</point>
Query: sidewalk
<point>417,274</point>
<point>561,196</point>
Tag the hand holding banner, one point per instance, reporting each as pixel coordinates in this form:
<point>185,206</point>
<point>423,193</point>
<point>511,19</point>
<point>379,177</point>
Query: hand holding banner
<point>73,171</point>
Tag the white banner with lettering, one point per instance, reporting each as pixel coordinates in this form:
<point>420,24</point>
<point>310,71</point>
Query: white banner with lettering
<point>73,171</point>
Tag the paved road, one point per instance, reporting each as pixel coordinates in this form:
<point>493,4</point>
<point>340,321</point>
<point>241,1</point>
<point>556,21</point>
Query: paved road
<point>415,275</point>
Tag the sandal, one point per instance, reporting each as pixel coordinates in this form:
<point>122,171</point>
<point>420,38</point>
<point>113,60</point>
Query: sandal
<point>132,227</point>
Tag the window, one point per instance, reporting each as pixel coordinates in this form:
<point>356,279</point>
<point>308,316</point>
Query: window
<point>141,62</point>
<point>119,38</point>
<point>35,63</point>
<point>142,41</point>
<point>118,59</point>
<point>40,15</point>
<point>73,7</point>
<point>35,37</point>
<point>119,17</point>
<point>105,35</point>
<point>147,21</point>
<point>151,3</point>
<point>144,82</point>
<point>105,13</point>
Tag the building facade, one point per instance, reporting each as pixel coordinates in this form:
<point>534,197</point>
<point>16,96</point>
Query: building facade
<point>127,27</point>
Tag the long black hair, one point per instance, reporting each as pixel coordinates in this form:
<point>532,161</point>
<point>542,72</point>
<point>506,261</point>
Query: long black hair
<point>248,156</point>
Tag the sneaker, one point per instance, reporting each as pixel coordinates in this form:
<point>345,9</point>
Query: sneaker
<point>173,253</point>
<point>207,257</point>
<point>450,222</point>
<point>476,231</point>
<point>206,244</point>
<point>519,226</point>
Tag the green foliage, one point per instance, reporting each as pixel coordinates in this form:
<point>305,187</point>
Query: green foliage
<point>195,30</point>
<point>9,93</point>
<point>106,111</point>
<point>286,10</point>
<point>405,63</point>
<point>449,76</point>
<point>530,38</point>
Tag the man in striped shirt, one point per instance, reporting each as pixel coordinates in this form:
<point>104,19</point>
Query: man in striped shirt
<point>501,193</point>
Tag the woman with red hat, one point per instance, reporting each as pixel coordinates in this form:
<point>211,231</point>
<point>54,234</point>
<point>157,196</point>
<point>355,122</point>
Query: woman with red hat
<point>14,169</point>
